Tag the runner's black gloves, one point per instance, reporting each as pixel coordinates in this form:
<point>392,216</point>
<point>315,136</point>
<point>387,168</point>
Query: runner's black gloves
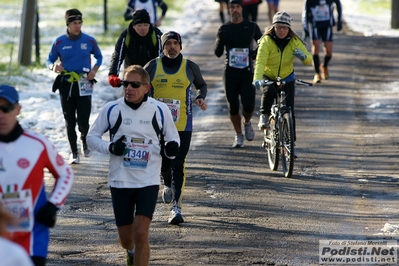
<point>339,25</point>
<point>47,214</point>
<point>171,148</point>
<point>117,147</point>
<point>305,35</point>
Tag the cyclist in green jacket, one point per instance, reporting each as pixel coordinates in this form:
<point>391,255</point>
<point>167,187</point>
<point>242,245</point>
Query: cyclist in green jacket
<point>275,58</point>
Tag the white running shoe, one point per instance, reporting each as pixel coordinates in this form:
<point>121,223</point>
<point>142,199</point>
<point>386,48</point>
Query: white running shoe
<point>175,216</point>
<point>167,194</point>
<point>263,122</point>
<point>239,141</point>
<point>74,158</point>
<point>249,132</point>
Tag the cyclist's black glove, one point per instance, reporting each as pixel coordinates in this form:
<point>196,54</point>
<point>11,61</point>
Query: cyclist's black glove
<point>117,147</point>
<point>171,148</point>
<point>47,214</point>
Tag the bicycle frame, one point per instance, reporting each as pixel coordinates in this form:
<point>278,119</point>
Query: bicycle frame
<point>279,137</point>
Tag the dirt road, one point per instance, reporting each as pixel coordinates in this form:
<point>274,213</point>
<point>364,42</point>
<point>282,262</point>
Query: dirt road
<point>237,211</point>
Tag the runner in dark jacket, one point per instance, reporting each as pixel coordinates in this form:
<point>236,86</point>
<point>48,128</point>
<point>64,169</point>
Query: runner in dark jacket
<point>137,45</point>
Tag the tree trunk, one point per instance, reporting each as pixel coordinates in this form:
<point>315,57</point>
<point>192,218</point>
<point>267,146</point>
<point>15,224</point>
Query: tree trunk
<point>395,14</point>
<point>28,26</point>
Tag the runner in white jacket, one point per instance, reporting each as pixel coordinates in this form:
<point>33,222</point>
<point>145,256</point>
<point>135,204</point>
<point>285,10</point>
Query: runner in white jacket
<point>138,126</point>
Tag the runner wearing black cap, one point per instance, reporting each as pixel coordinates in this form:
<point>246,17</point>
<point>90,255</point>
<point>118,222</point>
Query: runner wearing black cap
<point>137,44</point>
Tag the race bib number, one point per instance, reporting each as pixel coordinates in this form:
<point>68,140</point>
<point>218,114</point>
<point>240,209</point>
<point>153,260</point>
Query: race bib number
<point>322,13</point>
<point>19,205</point>
<point>137,153</point>
<point>85,87</point>
<point>174,107</point>
<point>239,57</point>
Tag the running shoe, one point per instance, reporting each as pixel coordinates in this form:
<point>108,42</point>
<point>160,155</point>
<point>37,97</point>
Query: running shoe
<point>239,141</point>
<point>167,194</point>
<point>175,217</point>
<point>317,78</point>
<point>85,150</point>
<point>324,72</point>
<point>74,158</point>
<point>249,132</point>
<point>129,258</point>
<point>263,122</point>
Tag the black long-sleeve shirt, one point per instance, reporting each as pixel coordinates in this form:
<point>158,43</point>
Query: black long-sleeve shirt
<point>241,35</point>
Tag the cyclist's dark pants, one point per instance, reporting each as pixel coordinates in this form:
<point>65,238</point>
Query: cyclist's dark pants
<point>76,109</point>
<point>269,93</point>
<point>177,177</point>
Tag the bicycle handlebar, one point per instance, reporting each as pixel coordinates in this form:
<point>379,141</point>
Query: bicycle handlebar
<point>301,82</point>
<point>266,82</point>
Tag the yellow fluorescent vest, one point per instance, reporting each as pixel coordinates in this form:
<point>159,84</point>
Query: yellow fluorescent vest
<point>174,89</point>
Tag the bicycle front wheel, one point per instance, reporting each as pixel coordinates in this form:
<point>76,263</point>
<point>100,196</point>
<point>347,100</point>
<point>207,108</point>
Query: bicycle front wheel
<point>287,145</point>
<point>271,141</point>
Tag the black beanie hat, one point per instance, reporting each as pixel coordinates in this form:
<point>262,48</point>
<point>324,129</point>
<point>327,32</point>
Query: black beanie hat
<point>170,35</point>
<point>72,15</point>
<point>141,16</point>
<point>238,2</point>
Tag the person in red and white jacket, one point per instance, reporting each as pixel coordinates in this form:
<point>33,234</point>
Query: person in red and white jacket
<point>23,157</point>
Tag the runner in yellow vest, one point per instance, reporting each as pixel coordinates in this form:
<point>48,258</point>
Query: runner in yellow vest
<point>172,78</point>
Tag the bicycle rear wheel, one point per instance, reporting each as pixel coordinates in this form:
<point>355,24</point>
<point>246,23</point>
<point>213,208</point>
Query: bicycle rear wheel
<point>287,147</point>
<point>271,141</point>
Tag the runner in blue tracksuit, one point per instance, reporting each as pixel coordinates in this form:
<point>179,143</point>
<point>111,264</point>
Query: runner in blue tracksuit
<point>76,78</point>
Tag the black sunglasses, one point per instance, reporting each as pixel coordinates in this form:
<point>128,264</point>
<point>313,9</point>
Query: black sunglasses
<point>7,108</point>
<point>134,84</point>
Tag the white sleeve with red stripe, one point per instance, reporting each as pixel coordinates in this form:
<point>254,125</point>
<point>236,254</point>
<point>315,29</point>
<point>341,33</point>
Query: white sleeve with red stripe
<point>22,164</point>
<point>63,174</point>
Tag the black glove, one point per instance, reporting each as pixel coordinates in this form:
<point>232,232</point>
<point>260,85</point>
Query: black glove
<point>171,148</point>
<point>339,25</point>
<point>58,82</point>
<point>47,214</point>
<point>305,34</point>
<point>118,147</point>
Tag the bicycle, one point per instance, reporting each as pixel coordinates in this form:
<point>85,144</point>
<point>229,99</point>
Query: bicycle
<point>279,137</point>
